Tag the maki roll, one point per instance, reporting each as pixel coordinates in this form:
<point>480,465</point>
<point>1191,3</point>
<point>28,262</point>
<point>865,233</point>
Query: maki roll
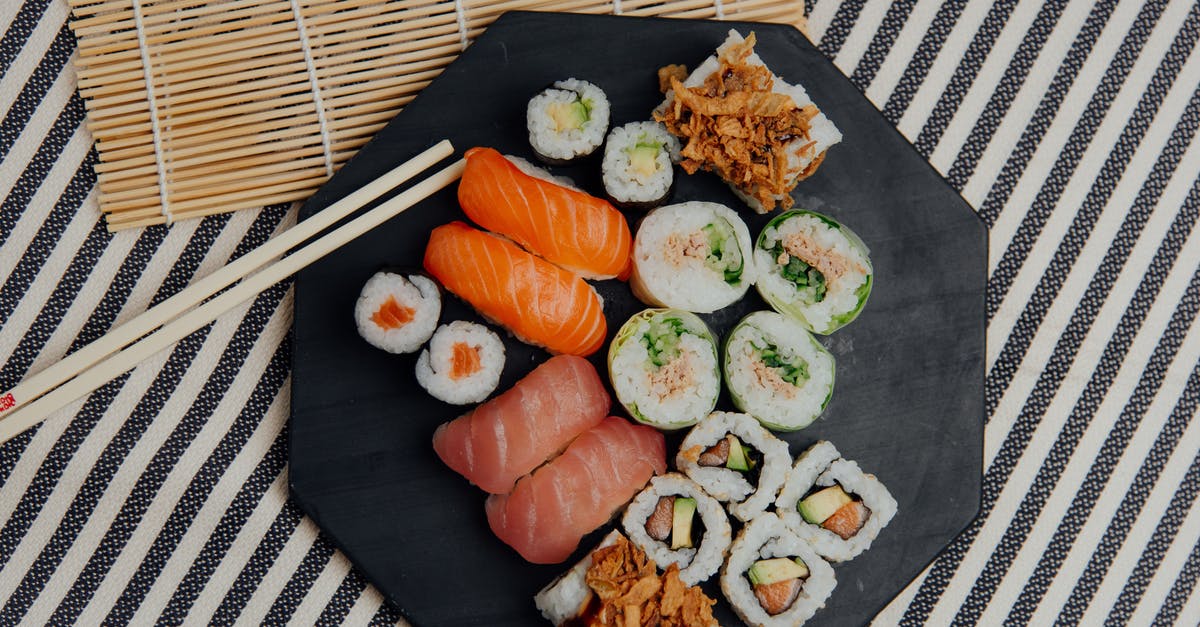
<point>661,520</point>
<point>397,312</point>
<point>637,168</point>
<point>567,121</point>
<point>772,577</point>
<point>833,505</point>
<point>663,367</point>
<point>813,269</point>
<point>777,372</point>
<point>462,364</point>
<point>694,256</point>
<point>735,460</point>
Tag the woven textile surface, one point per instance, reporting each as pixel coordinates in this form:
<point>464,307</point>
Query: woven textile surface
<point>1070,126</point>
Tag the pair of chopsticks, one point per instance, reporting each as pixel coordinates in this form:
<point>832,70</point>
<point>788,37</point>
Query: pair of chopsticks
<point>117,352</point>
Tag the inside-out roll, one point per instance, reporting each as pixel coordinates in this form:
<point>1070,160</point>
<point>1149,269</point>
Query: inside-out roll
<point>777,372</point>
<point>397,312</point>
<point>735,460</point>
<point>462,364</point>
<point>694,256</point>
<point>813,269</point>
<point>833,505</point>
<point>663,367</point>
<point>772,577</point>
<point>662,520</point>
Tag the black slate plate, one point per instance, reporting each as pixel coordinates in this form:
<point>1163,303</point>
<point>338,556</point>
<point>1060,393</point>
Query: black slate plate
<point>908,403</point>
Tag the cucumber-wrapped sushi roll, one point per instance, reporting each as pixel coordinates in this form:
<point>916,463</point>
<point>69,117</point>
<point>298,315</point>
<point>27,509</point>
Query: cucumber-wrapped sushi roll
<point>735,460</point>
<point>813,269</point>
<point>567,121</point>
<point>777,372</point>
<point>638,164</point>
<point>675,522</point>
<point>833,505</point>
<point>396,312</point>
<point>694,256</point>
<point>772,577</point>
<point>462,364</point>
<point>663,367</point>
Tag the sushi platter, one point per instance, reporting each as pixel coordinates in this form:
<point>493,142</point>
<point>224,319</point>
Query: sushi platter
<point>895,375</point>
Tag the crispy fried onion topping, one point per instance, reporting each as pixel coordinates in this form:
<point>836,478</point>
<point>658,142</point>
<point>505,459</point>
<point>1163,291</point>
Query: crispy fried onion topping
<point>632,594</point>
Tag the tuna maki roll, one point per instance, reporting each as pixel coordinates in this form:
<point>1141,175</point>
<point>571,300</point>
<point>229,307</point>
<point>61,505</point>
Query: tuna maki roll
<point>675,522</point>
<point>777,372</point>
<point>773,578</point>
<point>813,269</point>
<point>663,367</point>
<point>637,168</point>
<point>462,364</point>
<point>397,312</point>
<point>567,121</point>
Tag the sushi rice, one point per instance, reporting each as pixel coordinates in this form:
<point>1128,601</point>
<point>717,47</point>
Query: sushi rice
<point>637,168</point>
<point>745,500</point>
<point>567,121</point>
<point>696,564</point>
<point>767,537</point>
<point>397,313</point>
<point>462,364</point>
<point>663,366</point>
<point>777,372</point>
<point>813,269</point>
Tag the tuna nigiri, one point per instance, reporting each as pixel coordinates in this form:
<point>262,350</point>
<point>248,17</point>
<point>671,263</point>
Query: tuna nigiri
<point>581,233</point>
<point>539,302</point>
<point>510,435</point>
<point>549,512</point>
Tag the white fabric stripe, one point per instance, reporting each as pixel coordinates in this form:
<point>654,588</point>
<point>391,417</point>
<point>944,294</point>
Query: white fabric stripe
<point>942,70</point>
<point>821,17</point>
<point>117,491</point>
<point>1169,569</point>
<point>179,478</point>
<point>315,84</point>
<point>1020,113</point>
<point>365,607</point>
<point>215,506</point>
<point>1143,527</point>
<point>322,591</point>
<point>902,51</point>
<point>860,35</point>
<point>40,40</point>
<point>8,12</point>
<point>276,577</point>
<point>239,553</point>
<point>1058,316</point>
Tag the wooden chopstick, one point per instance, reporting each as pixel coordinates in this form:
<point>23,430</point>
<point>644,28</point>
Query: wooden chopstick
<point>188,323</point>
<point>156,316</point>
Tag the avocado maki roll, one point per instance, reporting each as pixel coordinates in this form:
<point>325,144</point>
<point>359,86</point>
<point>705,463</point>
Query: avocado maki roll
<point>567,121</point>
<point>773,578</point>
<point>735,460</point>
<point>676,522</point>
<point>694,256</point>
<point>637,169</point>
<point>777,372</point>
<point>813,269</point>
<point>663,367</point>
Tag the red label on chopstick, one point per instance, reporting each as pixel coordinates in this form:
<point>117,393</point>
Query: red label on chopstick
<point>7,402</point>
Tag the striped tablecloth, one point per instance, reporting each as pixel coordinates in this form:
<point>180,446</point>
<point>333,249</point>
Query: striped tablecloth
<point>1069,126</point>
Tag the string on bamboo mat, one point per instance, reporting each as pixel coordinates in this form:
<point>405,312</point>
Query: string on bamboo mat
<point>201,107</point>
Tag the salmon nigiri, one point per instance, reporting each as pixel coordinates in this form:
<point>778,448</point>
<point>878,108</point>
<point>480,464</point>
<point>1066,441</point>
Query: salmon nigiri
<point>581,233</point>
<point>549,512</point>
<point>539,302</point>
<point>510,435</point>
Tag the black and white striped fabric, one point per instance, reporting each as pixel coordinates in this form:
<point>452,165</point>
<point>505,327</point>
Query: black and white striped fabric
<point>1069,125</point>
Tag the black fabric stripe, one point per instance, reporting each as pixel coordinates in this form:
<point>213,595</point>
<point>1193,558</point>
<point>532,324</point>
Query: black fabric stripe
<point>260,561</point>
<point>897,14</point>
<point>1046,111</point>
<point>922,60</point>
<point>226,532</point>
<point>1018,437</point>
<point>1005,92</point>
<point>1160,542</point>
<point>301,582</point>
<point>387,614</point>
<point>98,478</point>
<point>963,77</point>
<point>339,606</point>
<point>1168,614</point>
<point>22,26</point>
<point>839,28</point>
<point>1114,445</point>
<point>1131,504</point>
<point>155,473</point>
<point>1017,344</point>
<point>35,89</point>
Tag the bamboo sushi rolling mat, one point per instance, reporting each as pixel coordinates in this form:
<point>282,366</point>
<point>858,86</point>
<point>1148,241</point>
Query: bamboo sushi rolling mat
<point>1069,126</point>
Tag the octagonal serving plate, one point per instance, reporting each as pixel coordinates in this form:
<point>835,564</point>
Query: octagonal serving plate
<point>908,403</point>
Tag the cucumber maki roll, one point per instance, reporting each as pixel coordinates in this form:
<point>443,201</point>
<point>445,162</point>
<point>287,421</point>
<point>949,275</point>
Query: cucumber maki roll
<point>567,121</point>
<point>773,578</point>
<point>663,367</point>
<point>637,168</point>
<point>813,269</point>
<point>675,522</point>
<point>777,372</point>
<point>694,256</point>
<point>735,460</point>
